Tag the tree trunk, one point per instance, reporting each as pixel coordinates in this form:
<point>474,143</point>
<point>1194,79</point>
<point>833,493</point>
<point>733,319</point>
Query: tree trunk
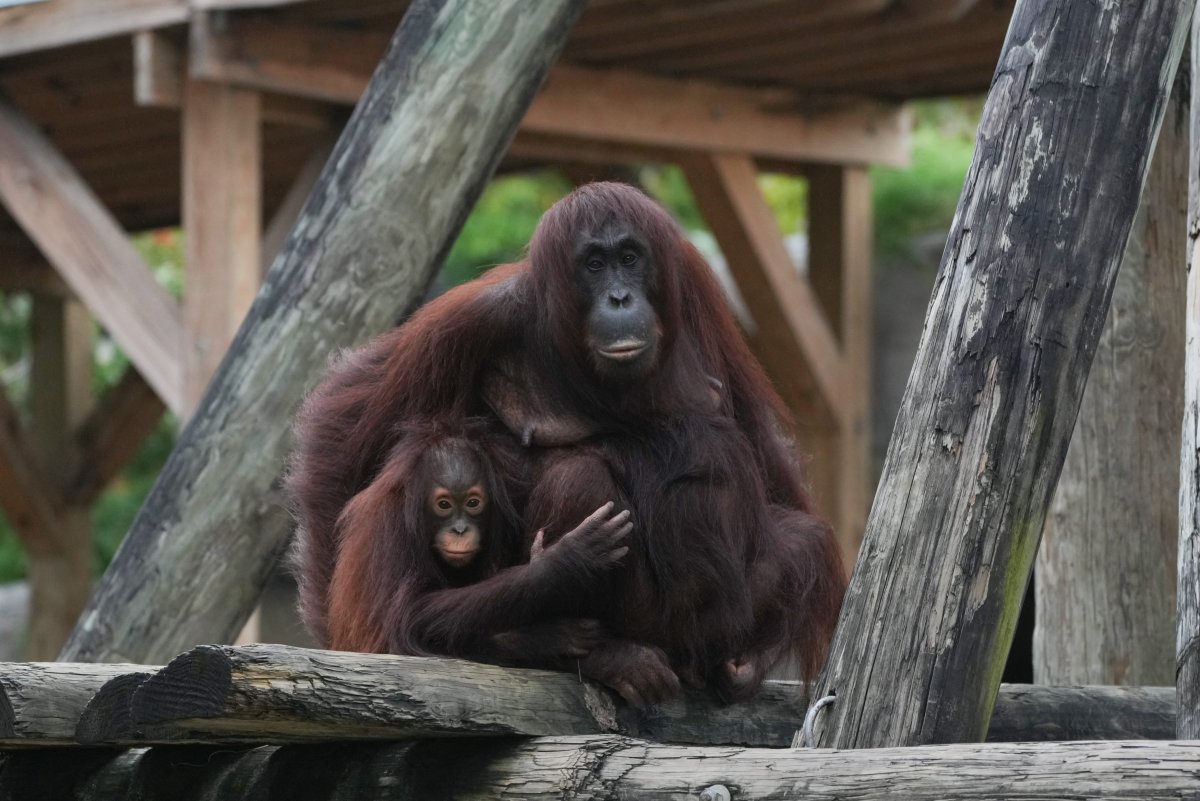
<point>610,767</point>
<point>1021,296</point>
<point>415,155</point>
<point>1106,568</point>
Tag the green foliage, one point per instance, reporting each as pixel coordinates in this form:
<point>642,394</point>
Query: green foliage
<point>921,198</point>
<point>499,228</point>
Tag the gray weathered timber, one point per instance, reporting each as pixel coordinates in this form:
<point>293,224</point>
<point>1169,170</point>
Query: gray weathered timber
<point>611,767</point>
<point>1033,712</point>
<point>40,702</point>
<point>1187,636</point>
<point>1018,306</point>
<point>416,153</point>
<point>278,694</point>
<point>1105,601</point>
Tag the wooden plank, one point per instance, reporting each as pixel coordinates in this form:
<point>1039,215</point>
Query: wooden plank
<point>1105,614</point>
<point>158,69</point>
<point>841,242</point>
<point>28,495</point>
<point>781,302</point>
<point>608,105</point>
<point>279,694</point>
<point>1187,626</point>
<point>159,73</point>
<point>111,435</point>
<point>611,767</point>
<point>84,243</point>
<point>40,703</point>
<point>43,26</point>
<point>60,389</point>
<point>222,222</point>
<point>985,421</point>
<point>457,75</point>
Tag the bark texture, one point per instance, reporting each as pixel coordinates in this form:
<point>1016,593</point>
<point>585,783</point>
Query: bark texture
<point>1019,303</point>
<point>435,120</point>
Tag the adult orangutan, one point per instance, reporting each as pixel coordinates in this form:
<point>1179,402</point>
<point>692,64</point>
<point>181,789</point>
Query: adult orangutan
<point>610,352</point>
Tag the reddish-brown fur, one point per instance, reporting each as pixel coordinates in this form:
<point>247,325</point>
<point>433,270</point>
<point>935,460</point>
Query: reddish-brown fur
<point>729,571</point>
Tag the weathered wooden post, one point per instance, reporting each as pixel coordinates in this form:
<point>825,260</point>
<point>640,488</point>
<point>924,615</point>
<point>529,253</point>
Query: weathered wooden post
<point>427,134</point>
<point>1061,156</point>
<point>1105,614</point>
<point>1187,637</point>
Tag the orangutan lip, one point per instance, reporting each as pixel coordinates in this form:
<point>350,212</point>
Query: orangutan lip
<point>624,351</point>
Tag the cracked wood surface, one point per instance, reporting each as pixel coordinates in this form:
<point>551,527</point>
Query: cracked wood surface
<point>1019,302</point>
<point>1187,633</point>
<point>612,767</point>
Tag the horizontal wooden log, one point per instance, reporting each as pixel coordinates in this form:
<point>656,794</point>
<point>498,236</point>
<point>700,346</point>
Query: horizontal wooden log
<point>279,694</point>
<point>614,767</point>
<point>41,26</point>
<point>40,702</point>
<point>1026,712</point>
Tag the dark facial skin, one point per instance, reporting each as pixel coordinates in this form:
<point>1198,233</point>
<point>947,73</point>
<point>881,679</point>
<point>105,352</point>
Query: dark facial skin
<point>457,506</point>
<point>615,274</point>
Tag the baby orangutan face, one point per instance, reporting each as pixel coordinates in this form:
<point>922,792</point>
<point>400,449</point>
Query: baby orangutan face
<point>458,502</point>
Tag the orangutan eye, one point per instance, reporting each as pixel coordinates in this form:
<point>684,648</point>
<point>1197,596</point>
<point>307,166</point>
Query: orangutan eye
<point>595,265</point>
<point>628,258</point>
<point>443,504</point>
<point>473,503</point>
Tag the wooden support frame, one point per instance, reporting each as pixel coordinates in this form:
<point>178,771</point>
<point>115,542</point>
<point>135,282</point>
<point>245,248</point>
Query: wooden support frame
<point>60,398</point>
<point>783,304</point>
<point>222,218</point>
<point>840,236</point>
<point>48,199</point>
<point>576,102</point>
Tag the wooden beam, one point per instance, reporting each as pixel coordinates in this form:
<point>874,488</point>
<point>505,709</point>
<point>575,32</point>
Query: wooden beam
<point>1187,624</point>
<point>278,694</point>
<point>84,243</point>
<point>28,495</point>
<point>605,105</point>
<point>839,270</point>
<point>611,767</point>
<point>160,69</point>
<point>40,703</point>
<point>1104,613</point>
<point>111,435</point>
<point>60,389</point>
<point>781,302</point>
<point>222,222</point>
<point>986,418</point>
<point>44,26</point>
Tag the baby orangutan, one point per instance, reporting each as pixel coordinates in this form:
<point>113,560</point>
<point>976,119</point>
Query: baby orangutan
<point>430,561</point>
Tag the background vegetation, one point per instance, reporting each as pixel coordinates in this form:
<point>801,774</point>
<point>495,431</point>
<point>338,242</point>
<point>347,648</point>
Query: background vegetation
<point>908,203</point>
